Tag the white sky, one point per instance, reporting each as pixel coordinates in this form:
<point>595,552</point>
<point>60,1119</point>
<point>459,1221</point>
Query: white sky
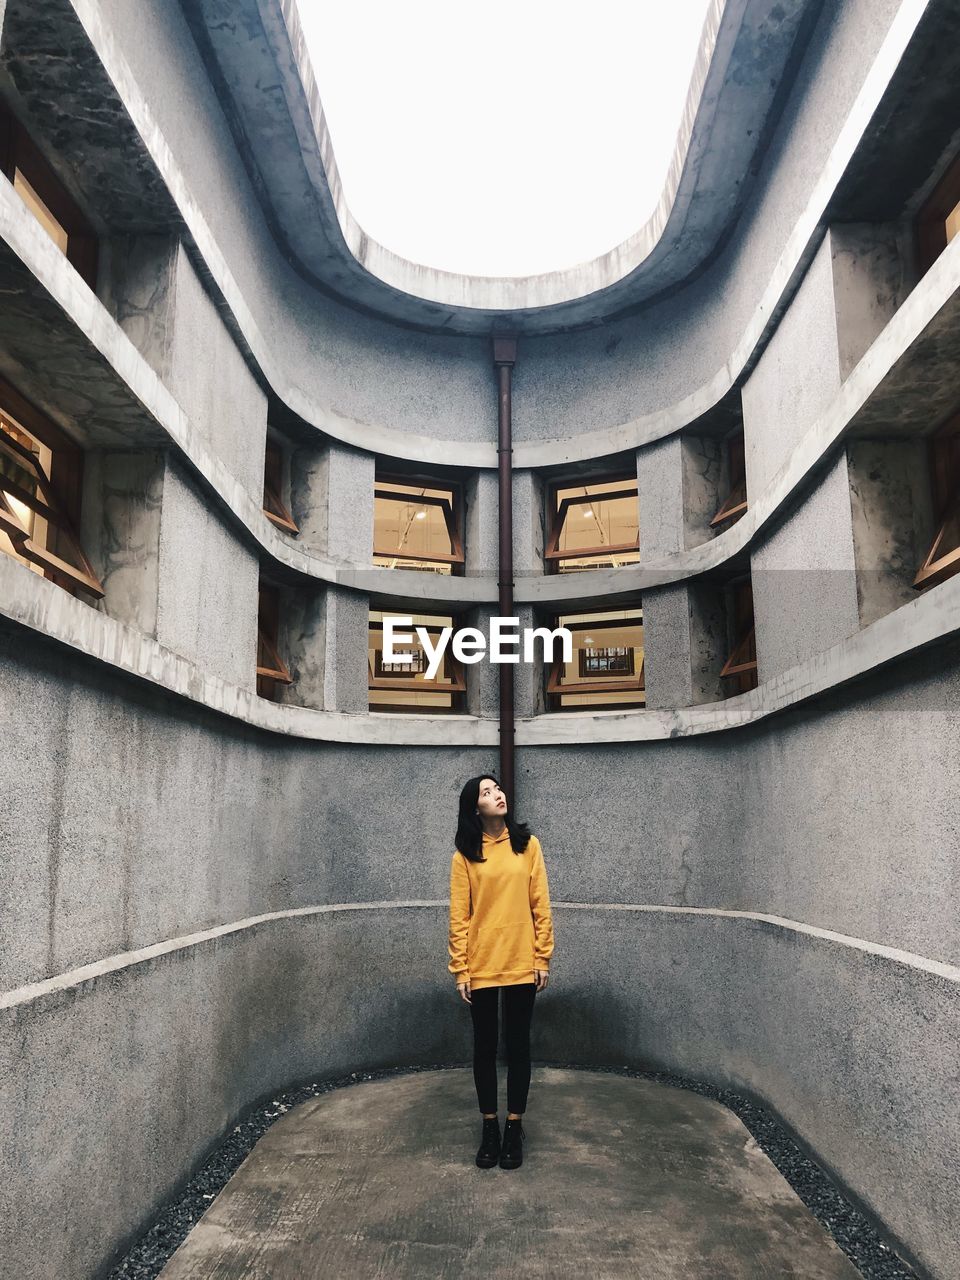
<point>502,138</point>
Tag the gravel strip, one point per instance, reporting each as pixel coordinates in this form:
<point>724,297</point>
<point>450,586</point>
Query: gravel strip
<point>855,1235</point>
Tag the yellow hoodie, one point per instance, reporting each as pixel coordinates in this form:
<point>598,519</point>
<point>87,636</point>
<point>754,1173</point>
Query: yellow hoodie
<point>501,928</point>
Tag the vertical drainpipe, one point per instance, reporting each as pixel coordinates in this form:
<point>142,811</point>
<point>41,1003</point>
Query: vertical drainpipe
<point>504,358</point>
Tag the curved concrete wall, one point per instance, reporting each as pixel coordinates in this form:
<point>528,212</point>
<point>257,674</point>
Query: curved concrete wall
<point>839,1010</point>
<point>368,382</point>
<point>208,896</point>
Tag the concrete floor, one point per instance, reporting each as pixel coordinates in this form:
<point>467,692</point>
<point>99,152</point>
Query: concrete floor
<point>620,1177</point>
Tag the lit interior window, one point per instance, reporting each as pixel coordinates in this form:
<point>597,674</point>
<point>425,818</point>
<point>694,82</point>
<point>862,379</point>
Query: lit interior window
<point>396,686</point>
<point>594,526</point>
<point>606,667</point>
<point>416,526</point>
<point>34,526</point>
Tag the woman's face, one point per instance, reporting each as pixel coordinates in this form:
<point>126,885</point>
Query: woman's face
<point>491,803</point>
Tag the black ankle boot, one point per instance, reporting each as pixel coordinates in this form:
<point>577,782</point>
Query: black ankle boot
<point>489,1152</point>
<point>511,1151</point>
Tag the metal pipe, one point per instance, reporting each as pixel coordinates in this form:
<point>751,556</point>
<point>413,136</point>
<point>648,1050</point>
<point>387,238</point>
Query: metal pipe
<point>504,358</point>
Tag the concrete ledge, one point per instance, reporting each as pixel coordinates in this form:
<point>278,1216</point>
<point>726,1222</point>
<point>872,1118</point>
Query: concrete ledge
<point>32,601</point>
<point>931,310</point>
<point>859,1070</point>
<point>268,354</point>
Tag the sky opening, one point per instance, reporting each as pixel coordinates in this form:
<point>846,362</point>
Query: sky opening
<point>502,139</point>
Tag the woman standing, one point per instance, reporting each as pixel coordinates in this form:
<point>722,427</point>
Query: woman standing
<point>501,938</point>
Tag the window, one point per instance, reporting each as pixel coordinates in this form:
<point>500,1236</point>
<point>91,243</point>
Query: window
<point>272,671</point>
<point>417,525</point>
<point>404,686</point>
<point>274,489</point>
<point>40,480</point>
<point>735,504</point>
<point>606,670</point>
<point>939,219</point>
<point>46,197</point>
<point>740,669</point>
<point>943,558</point>
<point>594,525</point>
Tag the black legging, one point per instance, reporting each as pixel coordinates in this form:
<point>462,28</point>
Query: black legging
<point>517,1013</point>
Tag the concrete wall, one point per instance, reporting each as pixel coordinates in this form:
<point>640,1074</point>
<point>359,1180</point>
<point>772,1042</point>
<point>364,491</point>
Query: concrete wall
<point>750,822</point>
<point>135,817</point>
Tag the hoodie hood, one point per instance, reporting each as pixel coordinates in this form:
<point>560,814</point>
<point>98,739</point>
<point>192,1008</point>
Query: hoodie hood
<point>487,839</point>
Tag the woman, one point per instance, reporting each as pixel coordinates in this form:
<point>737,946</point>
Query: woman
<point>501,937</point>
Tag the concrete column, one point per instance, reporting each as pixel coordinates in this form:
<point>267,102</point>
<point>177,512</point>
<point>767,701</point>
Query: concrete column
<point>683,623</point>
<point>120,530</point>
<point>153,291</point>
<point>705,484</point>
<point>207,584</point>
<point>331,492</point>
<point>303,644</point>
<point>804,572</point>
<point>344,620</point>
<point>893,525</point>
<point>482,524</point>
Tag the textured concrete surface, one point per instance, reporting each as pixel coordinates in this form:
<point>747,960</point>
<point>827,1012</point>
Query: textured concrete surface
<point>620,1178</point>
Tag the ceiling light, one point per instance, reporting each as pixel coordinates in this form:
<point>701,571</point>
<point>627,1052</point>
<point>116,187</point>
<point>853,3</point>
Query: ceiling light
<point>421,515</point>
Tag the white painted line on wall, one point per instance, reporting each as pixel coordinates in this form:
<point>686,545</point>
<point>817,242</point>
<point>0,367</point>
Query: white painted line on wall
<point>89,973</point>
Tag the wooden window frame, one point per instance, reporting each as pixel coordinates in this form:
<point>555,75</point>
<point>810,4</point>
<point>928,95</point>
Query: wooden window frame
<point>274,507</point>
<point>273,671</point>
<point>451,507</point>
<point>930,223</point>
<point>741,665</point>
<point>19,151</point>
<point>552,555</point>
<point>59,493</point>
<point>635,684</point>
<point>735,504</point>
<point>944,459</point>
<point>456,687</point>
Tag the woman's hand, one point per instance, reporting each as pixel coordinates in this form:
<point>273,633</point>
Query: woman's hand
<point>464,989</point>
<point>541,976</point>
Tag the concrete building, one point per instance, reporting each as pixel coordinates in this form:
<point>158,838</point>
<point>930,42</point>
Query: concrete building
<point>227,824</point>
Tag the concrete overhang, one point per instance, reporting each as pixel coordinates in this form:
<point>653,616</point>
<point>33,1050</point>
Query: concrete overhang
<point>257,57</point>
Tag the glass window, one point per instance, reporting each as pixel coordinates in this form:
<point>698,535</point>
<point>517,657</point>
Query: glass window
<point>740,669</point>
<point>272,671</point>
<point>735,503</point>
<point>275,507</point>
<point>39,473</point>
<point>595,525</point>
<point>938,221</point>
<point>417,525</point>
<point>404,686</point>
<point>943,558</point>
<point>46,197</point>
<point>606,667</point>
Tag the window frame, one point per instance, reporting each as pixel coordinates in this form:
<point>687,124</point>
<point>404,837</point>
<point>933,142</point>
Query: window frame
<point>452,508</point>
<point>273,486</point>
<point>268,636</point>
<point>735,503</point>
<point>457,687</point>
<point>740,665</point>
<point>635,684</point>
<point>945,493</point>
<point>930,223</point>
<point>19,151</point>
<point>552,556</point>
<point>59,493</point>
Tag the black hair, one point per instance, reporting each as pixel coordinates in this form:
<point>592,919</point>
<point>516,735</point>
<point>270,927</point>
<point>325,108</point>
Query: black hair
<point>469,838</point>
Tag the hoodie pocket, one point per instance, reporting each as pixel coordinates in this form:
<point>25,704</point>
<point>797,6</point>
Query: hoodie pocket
<point>506,948</point>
